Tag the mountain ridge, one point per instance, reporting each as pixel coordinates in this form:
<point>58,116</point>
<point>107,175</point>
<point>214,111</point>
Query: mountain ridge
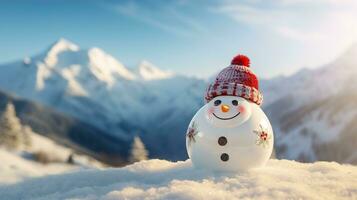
<point>312,110</point>
<point>94,89</point>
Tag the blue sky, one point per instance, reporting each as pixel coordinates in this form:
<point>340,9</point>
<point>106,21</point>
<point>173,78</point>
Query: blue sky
<point>188,37</point>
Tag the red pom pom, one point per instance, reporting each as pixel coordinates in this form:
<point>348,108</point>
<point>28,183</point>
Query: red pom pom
<point>241,60</point>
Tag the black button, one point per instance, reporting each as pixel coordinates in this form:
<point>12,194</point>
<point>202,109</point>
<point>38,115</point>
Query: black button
<point>224,157</point>
<point>222,141</point>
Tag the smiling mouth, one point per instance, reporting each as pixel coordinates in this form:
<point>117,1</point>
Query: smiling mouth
<point>226,118</point>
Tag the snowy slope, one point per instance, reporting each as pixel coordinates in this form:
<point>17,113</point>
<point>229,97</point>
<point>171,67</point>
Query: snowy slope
<point>314,113</point>
<point>148,71</point>
<point>18,165</point>
<point>14,168</point>
<point>67,131</point>
<point>159,179</point>
<point>59,152</point>
<point>66,78</point>
<point>315,84</point>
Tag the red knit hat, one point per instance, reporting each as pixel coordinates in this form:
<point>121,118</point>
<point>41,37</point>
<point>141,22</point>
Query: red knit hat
<point>236,80</point>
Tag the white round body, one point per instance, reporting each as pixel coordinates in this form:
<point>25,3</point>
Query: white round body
<point>229,134</point>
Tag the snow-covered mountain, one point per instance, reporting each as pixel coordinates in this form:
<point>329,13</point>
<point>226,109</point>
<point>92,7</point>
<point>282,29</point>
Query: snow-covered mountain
<point>93,86</point>
<point>314,112</point>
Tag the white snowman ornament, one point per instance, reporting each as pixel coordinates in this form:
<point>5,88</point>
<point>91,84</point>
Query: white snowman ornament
<point>231,132</point>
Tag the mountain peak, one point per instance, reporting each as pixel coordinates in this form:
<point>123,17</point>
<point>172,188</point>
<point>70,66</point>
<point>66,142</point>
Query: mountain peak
<point>149,71</point>
<point>64,44</point>
<point>105,67</point>
<point>58,47</point>
<point>346,61</point>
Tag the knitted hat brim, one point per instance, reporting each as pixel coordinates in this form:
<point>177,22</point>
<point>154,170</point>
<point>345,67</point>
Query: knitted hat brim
<point>234,89</point>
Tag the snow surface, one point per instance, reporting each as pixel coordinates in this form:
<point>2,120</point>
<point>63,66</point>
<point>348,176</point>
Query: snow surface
<point>60,152</point>
<point>160,179</point>
<point>15,167</point>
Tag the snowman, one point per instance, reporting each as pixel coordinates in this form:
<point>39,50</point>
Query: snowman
<point>231,132</point>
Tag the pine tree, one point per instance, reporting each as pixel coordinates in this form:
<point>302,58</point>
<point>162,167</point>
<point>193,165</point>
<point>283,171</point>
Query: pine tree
<point>26,136</point>
<point>10,128</point>
<point>138,150</point>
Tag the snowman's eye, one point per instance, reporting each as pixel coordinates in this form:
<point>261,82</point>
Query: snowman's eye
<point>217,102</point>
<point>235,103</point>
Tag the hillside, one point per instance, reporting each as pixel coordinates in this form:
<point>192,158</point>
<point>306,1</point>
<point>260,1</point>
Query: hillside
<point>68,131</point>
<point>160,179</point>
<point>314,113</point>
<point>39,156</point>
<point>15,168</point>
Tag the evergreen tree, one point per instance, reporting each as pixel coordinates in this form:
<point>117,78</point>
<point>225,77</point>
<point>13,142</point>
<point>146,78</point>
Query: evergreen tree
<point>26,136</point>
<point>10,128</point>
<point>138,150</point>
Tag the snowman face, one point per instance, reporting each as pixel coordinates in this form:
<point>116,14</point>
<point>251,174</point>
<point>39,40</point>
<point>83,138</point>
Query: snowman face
<point>228,111</point>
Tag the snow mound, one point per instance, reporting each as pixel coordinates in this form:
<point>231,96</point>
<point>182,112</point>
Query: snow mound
<point>159,179</point>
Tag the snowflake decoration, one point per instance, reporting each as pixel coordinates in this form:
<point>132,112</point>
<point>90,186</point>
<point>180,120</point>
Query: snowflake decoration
<point>192,132</point>
<point>263,136</point>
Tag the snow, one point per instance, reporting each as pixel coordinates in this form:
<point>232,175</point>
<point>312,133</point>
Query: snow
<point>74,88</point>
<point>27,60</point>
<point>43,73</point>
<point>106,68</point>
<point>15,167</point>
<point>314,84</point>
<point>148,71</point>
<point>317,108</point>
<point>60,152</point>
<point>160,179</point>
<point>60,46</point>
